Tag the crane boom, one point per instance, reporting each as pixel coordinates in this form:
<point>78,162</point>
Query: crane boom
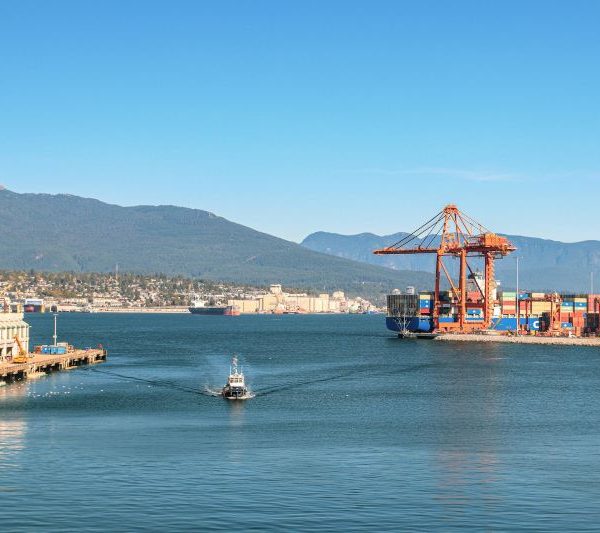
<point>22,356</point>
<point>453,233</point>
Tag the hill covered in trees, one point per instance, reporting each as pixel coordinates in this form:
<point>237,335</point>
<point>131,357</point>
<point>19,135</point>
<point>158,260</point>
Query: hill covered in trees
<point>69,233</point>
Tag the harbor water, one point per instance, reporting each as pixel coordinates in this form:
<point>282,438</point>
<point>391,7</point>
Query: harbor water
<point>350,429</point>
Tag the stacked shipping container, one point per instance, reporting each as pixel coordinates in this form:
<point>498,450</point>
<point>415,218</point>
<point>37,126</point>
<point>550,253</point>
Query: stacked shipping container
<point>425,303</point>
<point>577,313</point>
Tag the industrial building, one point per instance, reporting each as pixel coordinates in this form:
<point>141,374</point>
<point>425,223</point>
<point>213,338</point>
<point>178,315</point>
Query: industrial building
<point>277,301</point>
<point>12,326</point>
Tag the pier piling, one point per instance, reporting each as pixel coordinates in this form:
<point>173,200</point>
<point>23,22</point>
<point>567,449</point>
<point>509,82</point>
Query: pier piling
<point>41,363</point>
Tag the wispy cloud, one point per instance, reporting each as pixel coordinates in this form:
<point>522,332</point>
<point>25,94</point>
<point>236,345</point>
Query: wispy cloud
<point>463,174</point>
<point>477,175</point>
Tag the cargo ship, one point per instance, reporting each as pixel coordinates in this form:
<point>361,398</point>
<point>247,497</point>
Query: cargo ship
<point>535,312</point>
<point>200,308</point>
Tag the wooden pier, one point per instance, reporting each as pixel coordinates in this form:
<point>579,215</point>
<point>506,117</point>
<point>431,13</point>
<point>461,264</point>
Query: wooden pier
<point>38,364</point>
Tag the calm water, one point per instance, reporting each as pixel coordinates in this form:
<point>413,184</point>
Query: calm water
<point>351,429</point>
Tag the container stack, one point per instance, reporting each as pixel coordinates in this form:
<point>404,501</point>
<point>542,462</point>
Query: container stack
<point>51,350</point>
<point>579,312</point>
<point>593,303</point>
<point>425,303</point>
<point>566,313</point>
<point>592,323</point>
<point>539,308</point>
<point>508,303</point>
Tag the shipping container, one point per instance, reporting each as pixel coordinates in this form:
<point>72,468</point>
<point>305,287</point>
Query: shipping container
<point>402,305</point>
<point>540,307</point>
<point>524,296</point>
<point>592,322</point>
<point>510,323</point>
<point>594,303</point>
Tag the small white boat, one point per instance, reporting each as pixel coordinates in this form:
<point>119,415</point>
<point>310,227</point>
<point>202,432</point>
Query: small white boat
<point>235,389</point>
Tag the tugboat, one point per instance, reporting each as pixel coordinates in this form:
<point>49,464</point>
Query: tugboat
<point>236,386</point>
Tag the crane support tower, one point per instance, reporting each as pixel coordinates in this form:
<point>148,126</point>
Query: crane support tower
<point>451,233</point>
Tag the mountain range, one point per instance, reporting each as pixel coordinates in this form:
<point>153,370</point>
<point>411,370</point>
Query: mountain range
<point>544,265</point>
<point>69,233</point>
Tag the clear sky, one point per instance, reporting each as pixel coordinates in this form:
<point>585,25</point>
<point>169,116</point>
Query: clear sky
<point>297,116</point>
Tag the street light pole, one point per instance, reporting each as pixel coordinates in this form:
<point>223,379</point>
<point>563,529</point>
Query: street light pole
<point>55,336</point>
<point>518,326</point>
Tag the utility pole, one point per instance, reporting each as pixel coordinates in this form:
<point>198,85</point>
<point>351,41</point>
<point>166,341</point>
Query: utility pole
<point>592,282</point>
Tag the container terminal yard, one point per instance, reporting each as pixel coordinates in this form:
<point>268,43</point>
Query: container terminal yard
<point>17,362</point>
<point>473,306</point>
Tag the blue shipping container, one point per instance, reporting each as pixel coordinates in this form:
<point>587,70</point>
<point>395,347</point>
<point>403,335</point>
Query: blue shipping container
<point>53,350</point>
<point>524,295</point>
<point>510,324</point>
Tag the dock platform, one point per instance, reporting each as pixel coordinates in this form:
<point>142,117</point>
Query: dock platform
<point>44,364</point>
<point>521,339</point>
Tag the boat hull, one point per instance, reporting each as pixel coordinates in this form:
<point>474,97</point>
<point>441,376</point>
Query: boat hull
<point>237,393</point>
<point>215,310</point>
<point>421,324</point>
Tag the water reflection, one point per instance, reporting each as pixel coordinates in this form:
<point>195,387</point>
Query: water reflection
<point>236,434</point>
<point>12,430</point>
<point>467,456</point>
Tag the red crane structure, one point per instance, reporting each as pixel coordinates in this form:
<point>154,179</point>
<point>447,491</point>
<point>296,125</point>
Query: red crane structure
<point>451,233</point>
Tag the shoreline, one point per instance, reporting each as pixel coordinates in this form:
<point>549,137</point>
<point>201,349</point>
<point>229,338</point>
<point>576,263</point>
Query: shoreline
<point>182,310</point>
<point>522,339</point>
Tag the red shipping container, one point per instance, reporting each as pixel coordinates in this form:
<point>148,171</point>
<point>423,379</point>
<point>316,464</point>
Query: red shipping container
<point>594,303</point>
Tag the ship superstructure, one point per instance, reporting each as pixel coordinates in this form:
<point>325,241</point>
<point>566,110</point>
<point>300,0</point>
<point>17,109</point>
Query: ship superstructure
<point>235,389</point>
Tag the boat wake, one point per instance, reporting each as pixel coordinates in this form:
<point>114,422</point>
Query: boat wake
<point>207,391</point>
<point>156,382</point>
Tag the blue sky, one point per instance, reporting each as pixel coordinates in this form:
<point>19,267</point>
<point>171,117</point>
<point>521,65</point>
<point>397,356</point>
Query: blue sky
<point>297,116</point>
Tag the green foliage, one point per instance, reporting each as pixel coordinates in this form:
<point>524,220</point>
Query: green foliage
<point>67,233</point>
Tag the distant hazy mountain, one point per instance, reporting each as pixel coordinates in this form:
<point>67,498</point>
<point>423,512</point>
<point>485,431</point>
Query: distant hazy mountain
<point>65,232</point>
<point>543,264</point>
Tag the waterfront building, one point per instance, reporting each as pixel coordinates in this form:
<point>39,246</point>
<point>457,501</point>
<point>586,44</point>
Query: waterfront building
<point>278,301</point>
<point>12,325</point>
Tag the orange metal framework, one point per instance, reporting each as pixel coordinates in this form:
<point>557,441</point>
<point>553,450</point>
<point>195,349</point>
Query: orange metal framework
<point>452,233</point>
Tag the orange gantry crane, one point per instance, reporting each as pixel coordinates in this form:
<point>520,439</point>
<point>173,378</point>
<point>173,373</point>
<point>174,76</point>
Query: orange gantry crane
<point>451,233</point>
